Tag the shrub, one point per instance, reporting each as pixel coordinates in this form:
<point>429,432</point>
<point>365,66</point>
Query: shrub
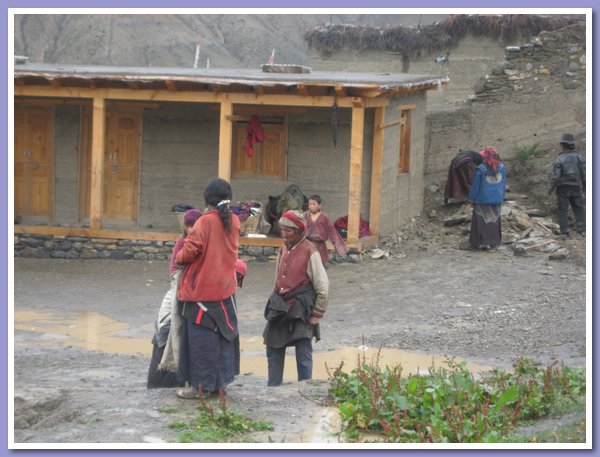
<point>447,404</point>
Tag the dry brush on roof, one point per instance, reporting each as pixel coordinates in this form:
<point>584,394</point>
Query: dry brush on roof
<point>328,38</point>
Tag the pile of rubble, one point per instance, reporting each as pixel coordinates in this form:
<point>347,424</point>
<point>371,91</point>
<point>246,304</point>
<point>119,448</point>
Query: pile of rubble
<point>524,229</point>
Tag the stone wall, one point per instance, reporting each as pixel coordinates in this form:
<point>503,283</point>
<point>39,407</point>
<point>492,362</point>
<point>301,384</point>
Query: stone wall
<point>74,247</point>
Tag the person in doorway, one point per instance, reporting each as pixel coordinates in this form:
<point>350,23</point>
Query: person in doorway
<point>568,180</point>
<point>460,174</point>
<point>206,290</point>
<point>298,302</point>
<point>165,350</point>
<point>319,229</point>
<point>486,197</point>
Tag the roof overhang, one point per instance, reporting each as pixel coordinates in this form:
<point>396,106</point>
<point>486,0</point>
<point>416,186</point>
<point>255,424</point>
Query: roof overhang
<point>340,84</point>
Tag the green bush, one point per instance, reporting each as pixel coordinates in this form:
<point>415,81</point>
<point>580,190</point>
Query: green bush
<point>525,153</point>
<point>447,404</point>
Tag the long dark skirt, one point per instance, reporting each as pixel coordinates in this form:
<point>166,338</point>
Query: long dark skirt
<point>205,358</point>
<point>160,378</point>
<point>486,230</point>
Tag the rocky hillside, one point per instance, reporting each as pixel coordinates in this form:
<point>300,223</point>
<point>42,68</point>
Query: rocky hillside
<point>227,41</point>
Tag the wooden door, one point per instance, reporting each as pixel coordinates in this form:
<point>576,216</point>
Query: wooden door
<point>269,159</point>
<point>121,166</point>
<point>33,162</point>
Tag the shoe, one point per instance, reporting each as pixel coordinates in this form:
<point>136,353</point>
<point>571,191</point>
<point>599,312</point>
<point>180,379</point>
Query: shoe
<point>187,393</point>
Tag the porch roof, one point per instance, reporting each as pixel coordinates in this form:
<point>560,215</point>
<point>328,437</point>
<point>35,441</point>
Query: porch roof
<point>315,83</point>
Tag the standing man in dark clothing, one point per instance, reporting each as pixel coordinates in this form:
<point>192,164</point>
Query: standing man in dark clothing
<point>568,178</point>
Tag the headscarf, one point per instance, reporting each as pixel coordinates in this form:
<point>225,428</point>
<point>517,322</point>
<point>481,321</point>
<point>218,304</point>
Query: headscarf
<point>293,219</point>
<point>191,216</point>
<point>491,158</point>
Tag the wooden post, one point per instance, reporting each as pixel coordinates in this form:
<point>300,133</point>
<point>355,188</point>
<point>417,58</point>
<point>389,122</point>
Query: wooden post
<point>97,169</point>
<point>356,157</point>
<point>225,141</point>
<point>376,170</point>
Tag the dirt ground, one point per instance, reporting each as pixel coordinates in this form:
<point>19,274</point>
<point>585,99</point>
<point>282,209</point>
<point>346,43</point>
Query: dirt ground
<point>83,329</point>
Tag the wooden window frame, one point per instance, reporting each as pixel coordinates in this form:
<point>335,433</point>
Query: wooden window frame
<point>405,139</point>
<point>265,119</point>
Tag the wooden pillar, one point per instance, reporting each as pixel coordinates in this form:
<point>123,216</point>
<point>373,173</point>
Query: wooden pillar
<point>97,162</point>
<point>376,170</point>
<point>225,141</point>
<point>356,157</point>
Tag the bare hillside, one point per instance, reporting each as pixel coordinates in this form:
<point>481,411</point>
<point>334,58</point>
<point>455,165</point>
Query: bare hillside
<point>229,41</point>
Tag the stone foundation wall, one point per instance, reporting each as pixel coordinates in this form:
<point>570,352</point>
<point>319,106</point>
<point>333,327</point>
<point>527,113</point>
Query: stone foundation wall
<point>74,247</point>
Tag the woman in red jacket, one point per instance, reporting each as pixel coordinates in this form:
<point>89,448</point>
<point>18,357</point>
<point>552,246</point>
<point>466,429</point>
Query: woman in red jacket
<point>206,290</point>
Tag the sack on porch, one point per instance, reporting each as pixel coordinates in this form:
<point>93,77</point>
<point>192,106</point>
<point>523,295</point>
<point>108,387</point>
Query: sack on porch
<point>250,214</point>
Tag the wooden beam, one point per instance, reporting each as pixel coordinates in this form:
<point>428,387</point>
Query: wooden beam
<point>55,83</point>
<point>406,107</point>
<point>377,102</point>
<point>140,105</point>
<point>303,90</point>
<point>263,119</point>
<point>269,110</point>
<point>225,141</point>
<point>357,102</point>
<point>400,120</point>
<point>371,93</point>
<point>376,172</point>
<point>194,96</point>
<point>171,85</point>
<point>128,234</point>
<point>356,158</point>
<point>260,90</point>
<point>97,162</point>
<point>340,91</point>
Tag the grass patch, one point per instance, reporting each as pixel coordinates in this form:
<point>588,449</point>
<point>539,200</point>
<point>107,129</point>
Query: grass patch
<point>167,410</point>
<point>448,405</point>
<point>217,424</point>
<point>90,420</point>
<point>524,153</point>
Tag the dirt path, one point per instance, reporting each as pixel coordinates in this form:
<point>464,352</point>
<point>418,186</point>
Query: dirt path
<point>73,386</point>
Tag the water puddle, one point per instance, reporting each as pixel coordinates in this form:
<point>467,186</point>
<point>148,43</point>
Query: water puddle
<point>324,362</point>
<point>87,330</point>
<point>97,332</point>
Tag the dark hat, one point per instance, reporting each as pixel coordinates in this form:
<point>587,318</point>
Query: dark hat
<point>191,216</point>
<point>567,139</point>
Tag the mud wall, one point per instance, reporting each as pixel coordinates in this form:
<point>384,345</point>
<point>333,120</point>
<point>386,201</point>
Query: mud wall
<point>402,193</point>
<point>473,57</point>
<point>66,160</point>
<point>179,154</point>
<point>504,94</point>
<point>532,96</point>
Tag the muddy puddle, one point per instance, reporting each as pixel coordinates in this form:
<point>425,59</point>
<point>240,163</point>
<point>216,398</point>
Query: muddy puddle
<point>97,332</point>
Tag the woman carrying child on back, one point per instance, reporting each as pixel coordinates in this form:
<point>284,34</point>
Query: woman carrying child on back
<point>165,351</point>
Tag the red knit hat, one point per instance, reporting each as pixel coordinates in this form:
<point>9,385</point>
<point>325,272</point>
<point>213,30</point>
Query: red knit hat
<point>293,219</point>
